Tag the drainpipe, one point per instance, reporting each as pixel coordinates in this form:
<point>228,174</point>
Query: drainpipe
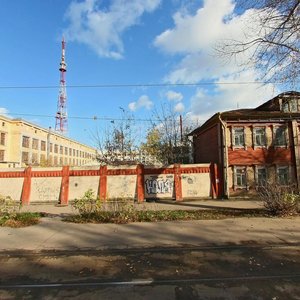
<point>225,157</point>
<point>295,147</point>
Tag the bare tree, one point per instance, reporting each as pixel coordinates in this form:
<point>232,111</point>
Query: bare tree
<point>116,144</point>
<point>272,38</point>
<point>167,139</point>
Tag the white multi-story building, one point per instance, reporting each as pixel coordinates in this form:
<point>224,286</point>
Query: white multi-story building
<point>23,143</point>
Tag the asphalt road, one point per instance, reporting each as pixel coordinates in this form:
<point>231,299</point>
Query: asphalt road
<point>249,271</point>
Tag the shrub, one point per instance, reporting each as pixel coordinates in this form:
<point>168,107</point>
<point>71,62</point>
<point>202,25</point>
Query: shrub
<point>280,200</point>
<point>87,204</point>
<point>8,207</point>
<point>90,207</point>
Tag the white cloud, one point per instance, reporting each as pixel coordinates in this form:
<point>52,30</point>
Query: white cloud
<point>143,101</point>
<point>179,107</point>
<point>201,33</point>
<point>3,111</point>
<point>174,96</point>
<point>193,32</point>
<point>205,102</point>
<point>101,28</point>
<point>194,37</point>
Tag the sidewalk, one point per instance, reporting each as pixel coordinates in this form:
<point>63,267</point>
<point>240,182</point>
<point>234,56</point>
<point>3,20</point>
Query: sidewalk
<point>54,234</point>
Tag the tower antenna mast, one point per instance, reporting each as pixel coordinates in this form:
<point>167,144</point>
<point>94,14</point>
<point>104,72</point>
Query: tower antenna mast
<point>61,124</point>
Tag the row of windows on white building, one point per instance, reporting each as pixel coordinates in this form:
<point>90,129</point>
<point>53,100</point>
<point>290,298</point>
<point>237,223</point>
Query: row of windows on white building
<point>41,145</point>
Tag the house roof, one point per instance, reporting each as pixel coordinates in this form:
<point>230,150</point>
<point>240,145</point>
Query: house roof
<point>270,110</point>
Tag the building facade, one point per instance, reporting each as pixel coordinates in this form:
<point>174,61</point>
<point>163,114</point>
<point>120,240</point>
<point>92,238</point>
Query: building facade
<point>253,146</point>
<point>23,144</point>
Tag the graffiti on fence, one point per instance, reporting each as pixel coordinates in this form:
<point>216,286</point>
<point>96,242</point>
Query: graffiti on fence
<point>159,186</point>
<point>42,191</point>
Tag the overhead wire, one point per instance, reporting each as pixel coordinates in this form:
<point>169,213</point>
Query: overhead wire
<point>136,85</point>
<point>94,118</point>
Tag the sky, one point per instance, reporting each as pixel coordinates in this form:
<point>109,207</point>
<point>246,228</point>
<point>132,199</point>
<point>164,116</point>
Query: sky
<point>122,55</point>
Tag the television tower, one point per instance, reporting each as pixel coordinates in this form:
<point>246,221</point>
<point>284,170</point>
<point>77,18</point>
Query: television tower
<point>61,124</point>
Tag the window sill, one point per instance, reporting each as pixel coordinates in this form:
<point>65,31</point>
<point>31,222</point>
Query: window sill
<point>260,146</point>
<point>241,188</point>
<point>281,146</point>
<point>239,147</point>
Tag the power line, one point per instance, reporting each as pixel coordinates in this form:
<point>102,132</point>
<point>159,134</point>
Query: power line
<point>94,118</point>
<point>136,85</point>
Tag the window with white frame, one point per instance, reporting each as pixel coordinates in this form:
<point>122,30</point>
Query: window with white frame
<point>280,136</point>
<point>238,137</point>
<point>261,176</point>
<point>283,175</point>
<point>259,136</point>
<point>240,177</point>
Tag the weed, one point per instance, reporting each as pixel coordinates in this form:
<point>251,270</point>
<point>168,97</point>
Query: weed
<point>8,207</point>
<point>87,204</point>
<point>22,219</point>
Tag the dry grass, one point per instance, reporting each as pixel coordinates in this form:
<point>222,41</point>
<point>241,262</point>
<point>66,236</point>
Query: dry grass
<point>132,215</point>
<point>19,220</point>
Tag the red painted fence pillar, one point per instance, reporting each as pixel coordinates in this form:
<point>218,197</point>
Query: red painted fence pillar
<point>103,183</point>
<point>64,190</point>
<point>25,197</point>
<point>215,181</point>
<point>140,183</point>
<point>177,182</point>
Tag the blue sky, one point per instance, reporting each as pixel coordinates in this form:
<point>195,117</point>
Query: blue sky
<point>121,42</point>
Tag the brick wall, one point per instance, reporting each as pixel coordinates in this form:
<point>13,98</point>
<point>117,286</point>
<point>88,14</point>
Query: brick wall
<point>206,146</point>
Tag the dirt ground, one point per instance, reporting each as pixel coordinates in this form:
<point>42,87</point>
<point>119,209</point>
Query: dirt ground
<point>227,272</point>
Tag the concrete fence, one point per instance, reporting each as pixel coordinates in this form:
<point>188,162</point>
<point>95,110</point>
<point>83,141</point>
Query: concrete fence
<point>179,182</point>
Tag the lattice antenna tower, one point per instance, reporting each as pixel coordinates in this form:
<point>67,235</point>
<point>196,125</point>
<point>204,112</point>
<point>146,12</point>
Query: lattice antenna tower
<point>61,124</point>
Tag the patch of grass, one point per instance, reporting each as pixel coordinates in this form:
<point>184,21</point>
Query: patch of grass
<point>123,217</point>
<point>22,219</point>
